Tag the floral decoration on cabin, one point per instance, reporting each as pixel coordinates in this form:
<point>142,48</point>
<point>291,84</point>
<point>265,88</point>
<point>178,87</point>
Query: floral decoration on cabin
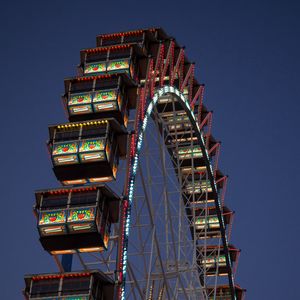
<point>91,145</point>
<point>86,214</point>
<point>80,99</point>
<point>54,217</point>
<point>94,68</point>
<point>118,65</point>
<point>105,96</point>
<point>64,148</point>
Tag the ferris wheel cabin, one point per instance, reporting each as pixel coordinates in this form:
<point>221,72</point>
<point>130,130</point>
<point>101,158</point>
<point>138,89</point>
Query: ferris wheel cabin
<point>126,58</point>
<point>213,259</point>
<point>99,96</point>
<point>223,293</point>
<point>207,222</point>
<point>69,286</point>
<point>88,151</point>
<point>76,219</point>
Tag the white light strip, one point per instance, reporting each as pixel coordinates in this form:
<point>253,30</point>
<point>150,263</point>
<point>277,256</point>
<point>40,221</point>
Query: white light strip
<point>157,95</point>
<point>50,230</point>
<point>80,109</point>
<point>102,106</point>
<point>91,156</point>
<point>61,159</point>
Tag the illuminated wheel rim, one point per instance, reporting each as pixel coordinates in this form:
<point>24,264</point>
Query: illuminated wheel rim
<point>166,267</point>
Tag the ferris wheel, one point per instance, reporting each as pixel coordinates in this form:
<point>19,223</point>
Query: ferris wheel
<point>141,212</point>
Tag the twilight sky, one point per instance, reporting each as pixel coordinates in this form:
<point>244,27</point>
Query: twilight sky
<point>247,54</point>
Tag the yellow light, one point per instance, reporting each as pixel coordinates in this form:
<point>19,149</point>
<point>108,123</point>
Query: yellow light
<point>115,169</point>
<point>77,181</point>
<point>58,252</point>
<point>101,179</point>
<point>92,249</point>
<point>186,170</point>
<point>204,200</point>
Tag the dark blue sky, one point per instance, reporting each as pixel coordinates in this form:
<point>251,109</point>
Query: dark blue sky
<point>247,54</point>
